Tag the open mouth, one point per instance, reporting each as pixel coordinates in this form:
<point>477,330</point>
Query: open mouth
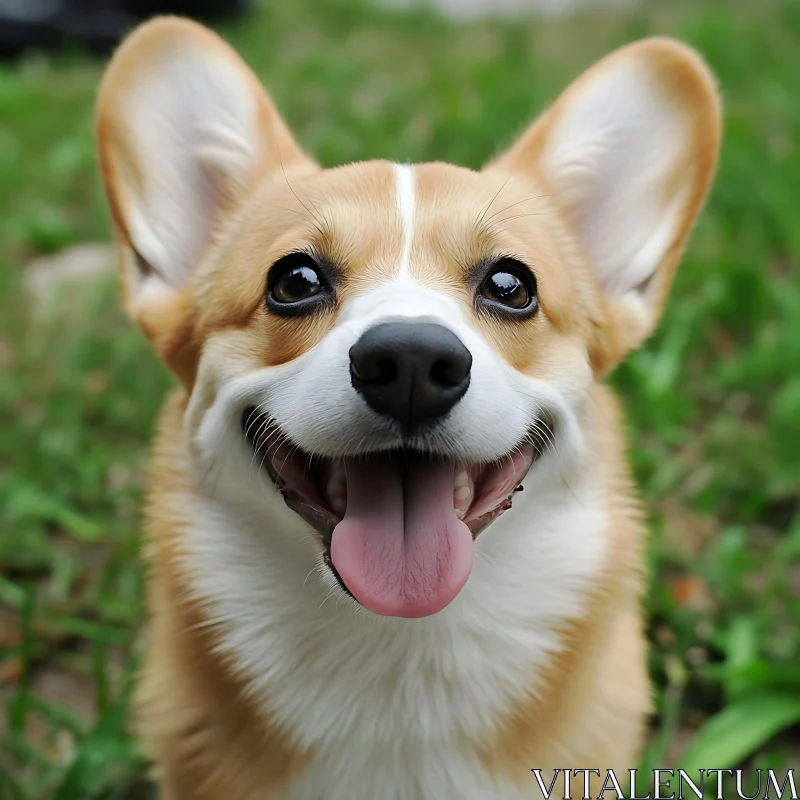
<point>397,526</point>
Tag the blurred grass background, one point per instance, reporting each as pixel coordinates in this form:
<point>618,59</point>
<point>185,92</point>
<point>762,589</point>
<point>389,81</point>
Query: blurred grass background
<point>713,401</point>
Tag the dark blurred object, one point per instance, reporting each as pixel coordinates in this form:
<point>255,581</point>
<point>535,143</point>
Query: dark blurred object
<point>95,25</point>
<point>137,788</point>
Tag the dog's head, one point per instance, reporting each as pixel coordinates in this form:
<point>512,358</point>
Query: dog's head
<point>398,346</point>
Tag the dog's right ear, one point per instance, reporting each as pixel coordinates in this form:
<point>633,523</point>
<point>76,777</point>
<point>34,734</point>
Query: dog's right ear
<point>628,152</point>
<point>185,131</point>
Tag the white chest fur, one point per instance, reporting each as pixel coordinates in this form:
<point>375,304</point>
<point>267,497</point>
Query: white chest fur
<point>389,706</point>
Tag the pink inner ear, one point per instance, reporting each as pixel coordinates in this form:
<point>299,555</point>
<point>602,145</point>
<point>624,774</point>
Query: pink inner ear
<point>630,148</point>
<point>184,128</point>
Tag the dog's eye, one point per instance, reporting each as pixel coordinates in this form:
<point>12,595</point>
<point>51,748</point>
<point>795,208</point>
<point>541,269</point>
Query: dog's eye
<point>511,285</point>
<point>295,280</point>
<point>297,283</point>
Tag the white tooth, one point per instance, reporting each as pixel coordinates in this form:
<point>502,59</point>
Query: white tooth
<point>461,500</point>
<point>461,479</point>
<point>337,488</point>
<point>461,493</point>
<point>339,504</point>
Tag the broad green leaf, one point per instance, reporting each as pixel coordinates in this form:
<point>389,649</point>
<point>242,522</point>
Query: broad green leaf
<point>739,729</point>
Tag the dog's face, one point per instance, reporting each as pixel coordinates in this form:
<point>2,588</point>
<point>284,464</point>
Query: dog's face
<point>397,346</point>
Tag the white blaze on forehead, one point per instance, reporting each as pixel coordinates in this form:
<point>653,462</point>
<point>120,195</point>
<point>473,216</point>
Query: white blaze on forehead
<point>405,204</point>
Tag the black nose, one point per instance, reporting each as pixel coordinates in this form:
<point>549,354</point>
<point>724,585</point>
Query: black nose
<point>411,371</point>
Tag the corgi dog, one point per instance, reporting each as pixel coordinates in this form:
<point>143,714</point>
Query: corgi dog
<point>393,543</point>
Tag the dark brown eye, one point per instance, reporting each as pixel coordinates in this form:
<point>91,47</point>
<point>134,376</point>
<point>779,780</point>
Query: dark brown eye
<point>296,280</point>
<point>297,283</point>
<point>511,285</point>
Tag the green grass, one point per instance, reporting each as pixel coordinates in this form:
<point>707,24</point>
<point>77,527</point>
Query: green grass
<point>713,401</point>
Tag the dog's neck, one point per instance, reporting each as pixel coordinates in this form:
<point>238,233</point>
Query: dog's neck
<point>531,618</point>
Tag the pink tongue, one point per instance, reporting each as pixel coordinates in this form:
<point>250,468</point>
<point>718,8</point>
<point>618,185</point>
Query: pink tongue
<point>400,548</point>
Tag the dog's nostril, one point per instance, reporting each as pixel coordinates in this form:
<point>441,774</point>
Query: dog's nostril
<point>447,373</point>
<point>387,371</point>
<point>377,372</point>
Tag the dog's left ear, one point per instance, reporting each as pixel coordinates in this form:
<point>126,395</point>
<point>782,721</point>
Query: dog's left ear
<point>185,132</point>
<point>628,151</point>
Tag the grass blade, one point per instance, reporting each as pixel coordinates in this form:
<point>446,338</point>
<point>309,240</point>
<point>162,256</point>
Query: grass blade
<point>739,729</point>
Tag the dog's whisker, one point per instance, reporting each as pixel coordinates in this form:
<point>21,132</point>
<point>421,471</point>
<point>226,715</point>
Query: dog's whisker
<point>479,219</point>
<point>489,219</point>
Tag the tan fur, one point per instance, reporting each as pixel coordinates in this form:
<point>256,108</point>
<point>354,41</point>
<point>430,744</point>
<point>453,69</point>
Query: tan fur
<point>686,82</point>
<point>198,725</point>
<point>590,709</point>
<point>464,217</point>
<point>208,738</point>
<point>320,214</point>
<point>170,325</point>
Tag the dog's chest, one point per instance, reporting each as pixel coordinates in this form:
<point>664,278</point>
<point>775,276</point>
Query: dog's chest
<point>404,721</point>
<point>392,708</point>
<point>391,773</point>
